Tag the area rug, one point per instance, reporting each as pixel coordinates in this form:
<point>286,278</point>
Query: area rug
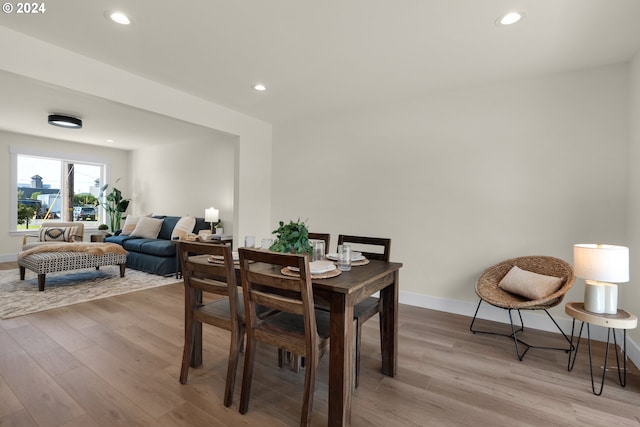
<point>20,297</point>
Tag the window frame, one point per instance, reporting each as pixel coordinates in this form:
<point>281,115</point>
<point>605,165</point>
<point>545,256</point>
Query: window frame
<point>15,151</point>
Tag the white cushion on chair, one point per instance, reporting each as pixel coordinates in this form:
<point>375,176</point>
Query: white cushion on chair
<point>528,284</point>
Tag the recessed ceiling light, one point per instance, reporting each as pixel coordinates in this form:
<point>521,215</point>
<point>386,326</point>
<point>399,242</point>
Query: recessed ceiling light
<point>510,18</point>
<point>119,17</point>
<point>64,121</point>
<point>259,87</point>
<point>109,140</point>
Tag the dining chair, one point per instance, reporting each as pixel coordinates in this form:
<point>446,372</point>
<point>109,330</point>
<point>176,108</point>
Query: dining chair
<point>321,236</point>
<point>296,327</point>
<point>226,313</point>
<point>368,308</point>
<point>294,361</point>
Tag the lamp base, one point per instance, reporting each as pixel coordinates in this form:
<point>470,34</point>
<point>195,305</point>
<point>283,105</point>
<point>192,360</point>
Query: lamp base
<point>600,297</point>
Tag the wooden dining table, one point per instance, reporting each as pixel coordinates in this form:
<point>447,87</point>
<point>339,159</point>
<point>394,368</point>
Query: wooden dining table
<point>340,294</point>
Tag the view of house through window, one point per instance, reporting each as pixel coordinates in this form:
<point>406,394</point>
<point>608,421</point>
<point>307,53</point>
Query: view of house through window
<point>55,189</point>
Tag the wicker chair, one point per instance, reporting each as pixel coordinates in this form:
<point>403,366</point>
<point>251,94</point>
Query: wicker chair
<point>488,291</point>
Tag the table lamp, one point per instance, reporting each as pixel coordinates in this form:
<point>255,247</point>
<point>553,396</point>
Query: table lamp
<point>211,215</point>
<point>600,265</point>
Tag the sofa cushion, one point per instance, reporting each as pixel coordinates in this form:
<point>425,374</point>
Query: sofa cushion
<point>167,226</point>
<point>201,225</point>
<point>183,227</point>
<point>148,228</point>
<point>119,239</point>
<point>157,247</point>
<point>130,224</point>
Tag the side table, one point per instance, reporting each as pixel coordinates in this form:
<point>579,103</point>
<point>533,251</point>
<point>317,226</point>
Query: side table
<point>98,237</point>
<point>621,320</point>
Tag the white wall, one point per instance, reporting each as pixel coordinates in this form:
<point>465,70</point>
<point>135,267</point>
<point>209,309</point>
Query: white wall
<point>52,64</point>
<point>11,243</point>
<point>629,293</point>
<point>185,178</point>
<point>465,179</point>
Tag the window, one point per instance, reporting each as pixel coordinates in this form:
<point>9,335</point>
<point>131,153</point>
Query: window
<point>50,188</point>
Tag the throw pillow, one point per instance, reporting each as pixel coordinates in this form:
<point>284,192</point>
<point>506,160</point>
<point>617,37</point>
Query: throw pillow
<point>58,234</point>
<point>147,228</point>
<point>183,227</point>
<point>529,284</point>
<point>129,224</point>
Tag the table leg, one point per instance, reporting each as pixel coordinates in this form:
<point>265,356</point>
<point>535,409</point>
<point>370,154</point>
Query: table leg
<point>389,327</point>
<point>575,348</point>
<point>340,360</point>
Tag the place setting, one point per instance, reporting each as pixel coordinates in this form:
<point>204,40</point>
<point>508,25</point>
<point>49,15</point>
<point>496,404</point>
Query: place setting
<point>321,269</point>
<point>219,259</point>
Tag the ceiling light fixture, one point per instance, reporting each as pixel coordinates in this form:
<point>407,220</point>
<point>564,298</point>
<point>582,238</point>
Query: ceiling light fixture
<point>510,18</point>
<point>119,17</point>
<point>65,121</point>
<point>259,87</point>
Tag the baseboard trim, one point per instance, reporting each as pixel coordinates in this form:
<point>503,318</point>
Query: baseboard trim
<point>488,312</point>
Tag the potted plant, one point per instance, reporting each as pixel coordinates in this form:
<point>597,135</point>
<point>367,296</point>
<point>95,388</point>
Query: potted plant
<point>219,229</point>
<point>292,238</point>
<point>114,205</point>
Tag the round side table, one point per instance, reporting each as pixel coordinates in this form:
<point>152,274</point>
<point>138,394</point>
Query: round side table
<point>621,320</point>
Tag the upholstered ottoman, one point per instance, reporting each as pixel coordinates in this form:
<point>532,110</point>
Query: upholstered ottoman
<point>70,256</point>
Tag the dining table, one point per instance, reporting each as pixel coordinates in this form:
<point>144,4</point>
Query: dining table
<point>340,294</point>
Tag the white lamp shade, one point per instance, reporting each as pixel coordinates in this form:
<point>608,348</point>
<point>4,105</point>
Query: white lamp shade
<point>602,263</point>
<point>211,215</point>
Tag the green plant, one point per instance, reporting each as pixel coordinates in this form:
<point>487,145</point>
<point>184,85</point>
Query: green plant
<point>103,227</point>
<point>114,204</point>
<point>292,238</point>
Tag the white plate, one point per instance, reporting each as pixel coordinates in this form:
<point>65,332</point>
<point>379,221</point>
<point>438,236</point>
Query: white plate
<point>318,267</point>
<point>234,254</point>
<point>355,256</point>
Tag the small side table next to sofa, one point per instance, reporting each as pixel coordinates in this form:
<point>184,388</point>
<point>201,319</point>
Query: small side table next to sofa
<point>621,320</point>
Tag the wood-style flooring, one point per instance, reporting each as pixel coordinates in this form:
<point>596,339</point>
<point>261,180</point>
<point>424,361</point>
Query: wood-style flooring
<point>116,361</point>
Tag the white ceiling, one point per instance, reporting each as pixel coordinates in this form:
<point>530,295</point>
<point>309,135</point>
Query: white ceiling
<point>315,57</point>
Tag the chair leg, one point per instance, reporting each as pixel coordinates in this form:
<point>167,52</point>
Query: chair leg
<point>309,389</point>
<point>515,336</point>
<point>187,352</point>
<point>232,367</point>
<point>515,331</point>
<point>247,374</point>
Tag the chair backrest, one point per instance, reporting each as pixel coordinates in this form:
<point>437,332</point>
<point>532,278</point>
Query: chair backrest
<point>321,236</point>
<point>364,244</point>
<point>264,284</point>
<point>209,267</point>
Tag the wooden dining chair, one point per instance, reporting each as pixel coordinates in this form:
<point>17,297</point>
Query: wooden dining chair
<point>294,361</point>
<point>368,308</point>
<point>296,327</point>
<point>227,313</point>
<point>321,236</point>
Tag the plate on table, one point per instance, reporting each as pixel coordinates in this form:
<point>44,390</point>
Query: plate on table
<point>220,258</point>
<point>318,267</point>
<point>355,256</point>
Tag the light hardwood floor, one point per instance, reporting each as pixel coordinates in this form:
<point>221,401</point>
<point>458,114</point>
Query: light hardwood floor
<point>115,362</point>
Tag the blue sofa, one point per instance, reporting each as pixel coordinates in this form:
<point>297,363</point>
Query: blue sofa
<point>157,256</point>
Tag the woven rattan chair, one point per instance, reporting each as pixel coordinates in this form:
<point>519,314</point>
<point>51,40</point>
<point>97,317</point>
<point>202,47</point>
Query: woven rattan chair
<point>488,291</point>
